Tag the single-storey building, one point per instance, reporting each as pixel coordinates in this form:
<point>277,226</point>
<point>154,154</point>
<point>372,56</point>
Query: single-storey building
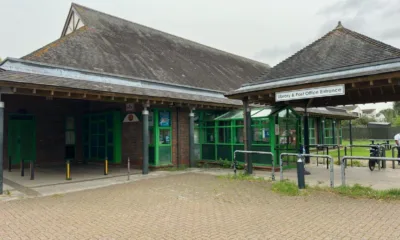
<point>112,89</point>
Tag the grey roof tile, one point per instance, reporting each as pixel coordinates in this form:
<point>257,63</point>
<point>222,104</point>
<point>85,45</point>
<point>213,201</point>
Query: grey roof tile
<point>339,48</point>
<point>13,77</point>
<point>115,45</point>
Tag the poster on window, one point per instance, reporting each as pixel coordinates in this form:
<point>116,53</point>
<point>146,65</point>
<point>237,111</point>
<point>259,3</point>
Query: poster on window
<point>265,133</point>
<point>165,120</point>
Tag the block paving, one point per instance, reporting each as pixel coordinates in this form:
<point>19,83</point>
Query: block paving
<point>197,206</point>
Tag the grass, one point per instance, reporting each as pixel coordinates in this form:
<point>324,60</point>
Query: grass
<point>242,176</point>
<point>359,191</point>
<point>289,188</point>
<point>356,151</point>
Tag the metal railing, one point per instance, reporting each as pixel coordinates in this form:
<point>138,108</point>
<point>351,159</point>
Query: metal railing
<point>254,152</point>
<point>343,169</point>
<point>331,175</point>
<point>393,148</point>
<point>386,142</point>
<point>326,146</point>
<point>381,146</point>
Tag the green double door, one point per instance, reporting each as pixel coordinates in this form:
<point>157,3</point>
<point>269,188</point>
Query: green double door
<point>21,138</point>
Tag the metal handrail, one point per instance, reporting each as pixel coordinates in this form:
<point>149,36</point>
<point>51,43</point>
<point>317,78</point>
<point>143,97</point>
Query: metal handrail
<point>256,152</point>
<point>327,150</point>
<point>393,148</point>
<point>307,155</point>
<point>342,163</point>
<point>367,146</point>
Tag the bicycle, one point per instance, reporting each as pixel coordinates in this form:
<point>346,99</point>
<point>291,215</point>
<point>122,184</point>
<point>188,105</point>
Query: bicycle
<point>375,151</point>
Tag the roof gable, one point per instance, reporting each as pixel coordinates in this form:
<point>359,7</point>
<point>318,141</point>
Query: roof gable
<point>73,22</point>
<point>114,45</point>
<point>339,48</point>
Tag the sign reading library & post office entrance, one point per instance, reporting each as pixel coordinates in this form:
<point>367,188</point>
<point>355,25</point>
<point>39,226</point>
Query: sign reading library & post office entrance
<point>326,91</point>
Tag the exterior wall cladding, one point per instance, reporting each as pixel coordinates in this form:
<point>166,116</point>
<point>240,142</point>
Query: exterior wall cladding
<point>50,116</point>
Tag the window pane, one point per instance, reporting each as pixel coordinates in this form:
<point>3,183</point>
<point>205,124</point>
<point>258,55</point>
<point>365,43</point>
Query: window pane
<point>164,119</point>
<point>239,135</point>
<point>196,135</point>
<point>70,138</point>
<point>165,137</point>
<point>151,136</point>
<point>210,124</point>
<point>110,137</point>
<point>261,135</point>
<point>224,135</point>
<point>224,123</point>
<point>70,123</point>
<point>209,135</point>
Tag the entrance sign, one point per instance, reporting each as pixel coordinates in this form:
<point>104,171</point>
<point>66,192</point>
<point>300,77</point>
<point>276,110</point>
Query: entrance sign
<point>326,91</point>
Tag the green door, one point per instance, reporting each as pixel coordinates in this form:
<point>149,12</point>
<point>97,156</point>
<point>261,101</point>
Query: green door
<point>21,138</point>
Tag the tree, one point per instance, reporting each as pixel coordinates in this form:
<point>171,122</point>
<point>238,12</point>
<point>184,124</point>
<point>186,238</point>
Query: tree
<point>361,121</point>
<point>396,107</point>
<point>390,114</point>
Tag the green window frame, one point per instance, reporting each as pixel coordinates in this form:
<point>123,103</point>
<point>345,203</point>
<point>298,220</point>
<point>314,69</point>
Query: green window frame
<point>261,131</point>
<point>328,131</point>
<point>311,130</point>
<point>102,136</point>
<point>160,134</point>
<point>224,132</point>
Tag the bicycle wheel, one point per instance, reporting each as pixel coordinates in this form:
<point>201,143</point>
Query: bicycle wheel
<point>371,164</point>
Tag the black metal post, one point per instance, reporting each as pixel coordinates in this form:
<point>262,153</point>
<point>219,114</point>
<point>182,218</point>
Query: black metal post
<point>247,135</point>
<point>32,166</point>
<point>306,135</point>
<point>351,138</point>
<point>333,132</point>
<point>1,144</point>
<point>327,160</point>
<point>323,131</point>
<point>191,139</point>
<point>9,163</point>
<point>145,167</point>
<point>300,173</point>
<point>22,168</point>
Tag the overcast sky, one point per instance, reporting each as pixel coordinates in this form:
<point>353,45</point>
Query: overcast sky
<point>264,30</point>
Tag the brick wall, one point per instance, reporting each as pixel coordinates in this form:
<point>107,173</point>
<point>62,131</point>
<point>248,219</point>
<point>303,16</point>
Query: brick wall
<point>180,152</point>
<point>50,118</point>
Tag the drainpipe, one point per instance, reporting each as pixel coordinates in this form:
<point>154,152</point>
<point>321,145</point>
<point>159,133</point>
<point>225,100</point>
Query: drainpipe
<point>191,138</point>
<point>145,167</point>
<point>178,158</point>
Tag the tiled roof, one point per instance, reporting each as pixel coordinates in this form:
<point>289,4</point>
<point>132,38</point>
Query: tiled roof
<point>339,48</point>
<point>65,83</point>
<point>114,45</point>
<point>368,111</point>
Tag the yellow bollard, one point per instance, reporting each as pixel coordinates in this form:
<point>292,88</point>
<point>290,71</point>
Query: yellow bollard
<point>68,171</point>
<point>106,166</point>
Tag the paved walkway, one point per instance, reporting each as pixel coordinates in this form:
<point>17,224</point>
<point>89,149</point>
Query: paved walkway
<point>196,206</point>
